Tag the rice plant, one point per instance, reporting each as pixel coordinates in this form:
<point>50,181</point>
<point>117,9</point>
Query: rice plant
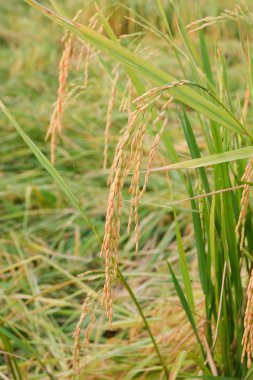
<point>171,296</point>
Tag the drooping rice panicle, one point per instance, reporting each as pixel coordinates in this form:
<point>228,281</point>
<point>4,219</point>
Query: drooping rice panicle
<point>57,114</point>
<point>89,51</point>
<point>128,155</point>
<point>76,336</point>
<point>64,65</point>
<point>88,309</point>
<point>247,340</point>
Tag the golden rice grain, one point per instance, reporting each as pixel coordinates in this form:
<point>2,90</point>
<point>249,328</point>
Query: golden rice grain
<point>125,104</point>
<point>244,202</point>
<point>87,309</point>
<point>60,104</point>
<point>76,336</point>
<point>63,76</point>
<point>56,118</point>
<point>109,117</point>
<point>152,156</point>
<point>247,340</point>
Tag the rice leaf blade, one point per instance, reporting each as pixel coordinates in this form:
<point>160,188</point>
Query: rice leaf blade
<point>186,307</point>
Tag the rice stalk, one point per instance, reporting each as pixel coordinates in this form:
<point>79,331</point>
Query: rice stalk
<point>247,340</point>
<point>244,202</point>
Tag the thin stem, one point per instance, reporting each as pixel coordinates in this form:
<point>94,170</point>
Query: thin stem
<point>124,282</point>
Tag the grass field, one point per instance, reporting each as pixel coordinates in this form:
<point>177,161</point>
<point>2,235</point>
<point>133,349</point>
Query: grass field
<point>179,303</point>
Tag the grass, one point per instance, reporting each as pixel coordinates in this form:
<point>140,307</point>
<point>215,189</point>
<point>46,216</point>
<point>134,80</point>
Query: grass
<point>179,303</point>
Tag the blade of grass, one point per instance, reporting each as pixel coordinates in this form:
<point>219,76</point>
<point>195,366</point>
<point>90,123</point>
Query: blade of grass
<point>249,374</point>
<point>123,280</point>
<point>192,53</point>
<point>214,159</point>
<point>166,23</point>
<point>183,266</point>
<point>205,57</point>
<point>135,79</point>
<point>186,307</point>
<point>11,360</point>
<point>20,340</point>
<point>200,245</point>
<point>178,364</point>
<point>193,147</point>
<point>58,7</point>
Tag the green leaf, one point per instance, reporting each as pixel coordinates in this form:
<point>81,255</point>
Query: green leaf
<point>186,307</point>
<point>214,159</point>
<point>200,245</point>
<point>183,266</point>
<point>131,293</point>
<point>193,147</point>
<point>205,57</point>
<point>249,374</point>
<point>11,359</point>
